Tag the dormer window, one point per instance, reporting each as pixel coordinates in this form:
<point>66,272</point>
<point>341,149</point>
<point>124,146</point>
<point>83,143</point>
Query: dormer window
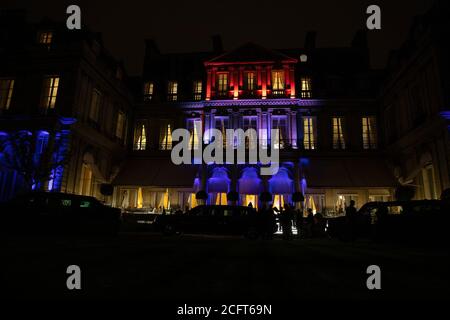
<point>148,91</point>
<point>172,92</point>
<point>198,90</point>
<point>45,37</point>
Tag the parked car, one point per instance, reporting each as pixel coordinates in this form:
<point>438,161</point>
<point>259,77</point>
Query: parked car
<point>215,219</point>
<point>61,213</point>
<point>416,220</point>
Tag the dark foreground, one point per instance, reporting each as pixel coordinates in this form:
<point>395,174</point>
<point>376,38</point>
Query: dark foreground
<point>219,269</point>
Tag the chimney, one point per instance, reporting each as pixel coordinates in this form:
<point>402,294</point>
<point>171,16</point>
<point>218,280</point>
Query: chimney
<point>360,39</point>
<point>310,40</point>
<point>151,48</point>
<point>217,43</point>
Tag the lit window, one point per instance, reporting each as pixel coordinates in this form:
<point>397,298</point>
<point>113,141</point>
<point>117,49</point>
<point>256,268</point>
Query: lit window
<point>6,91</point>
<point>338,135</point>
<point>306,87</point>
<point>172,91</point>
<point>343,201</point>
<point>195,128</point>
<point>221,200</point>
<point>140,137</point>
<point>120,124</point>
<point>250,81</point>
<point>50,92</point>
<point>96,99</point>
<point>165,137</point>
<point>278,82</point>
<point>148,91</point>
<point>303,58</point>
<point>222,84</point>
<point>309,135</point>
<point>281,139</point>
<point>197,90</point>
<point>369,132</point>
<point>46,38</point>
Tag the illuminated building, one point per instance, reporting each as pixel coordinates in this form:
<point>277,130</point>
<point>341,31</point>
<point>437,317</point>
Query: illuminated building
<point>346,132</point>
<point>323,101</point>
<point>68,95</point>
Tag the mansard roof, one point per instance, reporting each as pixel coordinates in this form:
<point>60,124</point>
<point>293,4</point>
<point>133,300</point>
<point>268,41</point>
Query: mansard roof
<point>250,53</point>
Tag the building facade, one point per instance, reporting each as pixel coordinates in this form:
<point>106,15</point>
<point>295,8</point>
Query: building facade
<point>65,99</point>
<point>415,103</point>
<point>322,101</point>
<point>344,131</point>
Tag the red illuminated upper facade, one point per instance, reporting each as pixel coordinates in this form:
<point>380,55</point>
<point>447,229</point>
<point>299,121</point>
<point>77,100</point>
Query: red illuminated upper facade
<point>250,71</point>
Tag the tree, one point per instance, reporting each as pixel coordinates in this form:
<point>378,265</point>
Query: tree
<point>36,157</point>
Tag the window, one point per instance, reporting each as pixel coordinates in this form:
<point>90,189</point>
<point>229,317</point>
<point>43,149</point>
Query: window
<point>120,124</point>
<point>50,92</point>
<point>250,122</point>
<point>417,106</point>
<point>309,133</point>
<point>172,91</point>
<point>140,137</point>
<point>369,132</point>
<point>222,124</point>
<point>195,127</point>
<point>197,90</point>
<point>316,202</point>
<point>280,140</point>
<point>86,180</point>
<point>165,136</point>
<point>429,182</point>
<point>221,200</point>
<point>306,87</point>
<point>6,91</point>
<point>250,81</point>
<point>96,99</point>
<point>278,82</point>
<point>42,138</point>
<point>148,91</point>
<point>46,37</point>
<point>338,135</point>
<point>343,201</point>
<point>222,84</point>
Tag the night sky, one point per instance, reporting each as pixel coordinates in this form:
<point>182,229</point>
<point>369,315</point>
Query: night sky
<point>184,26</point>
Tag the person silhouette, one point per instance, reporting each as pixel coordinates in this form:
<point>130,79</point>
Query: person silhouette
<point>299,223</point>
<point>350,214</point>
<point>309,223</point>
<point>286,222</point>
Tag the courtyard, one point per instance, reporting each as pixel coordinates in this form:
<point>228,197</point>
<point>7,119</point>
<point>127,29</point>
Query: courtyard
<point>187,268</point>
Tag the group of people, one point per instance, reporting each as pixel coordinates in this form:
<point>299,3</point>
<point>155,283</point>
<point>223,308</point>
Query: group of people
<point>288,217</point>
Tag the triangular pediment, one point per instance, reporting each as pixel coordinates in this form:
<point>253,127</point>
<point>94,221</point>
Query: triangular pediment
<point>251,53</point>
